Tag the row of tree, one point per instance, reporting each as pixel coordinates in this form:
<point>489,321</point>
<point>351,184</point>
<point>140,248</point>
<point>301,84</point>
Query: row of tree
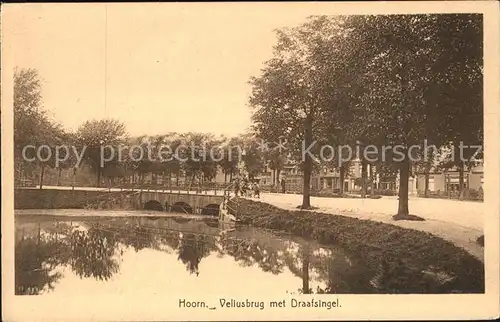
<point>197,155</point>
<point>380,80</point>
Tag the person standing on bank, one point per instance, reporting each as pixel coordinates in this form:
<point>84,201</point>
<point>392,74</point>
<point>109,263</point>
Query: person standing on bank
<point>256,190</point>
<point>236,187</point>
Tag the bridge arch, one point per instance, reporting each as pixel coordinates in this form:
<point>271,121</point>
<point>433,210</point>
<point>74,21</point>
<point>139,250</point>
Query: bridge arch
<point>181,220</point>
<point>210,210</point>
<point>181,207</point>
<point>153,205</point>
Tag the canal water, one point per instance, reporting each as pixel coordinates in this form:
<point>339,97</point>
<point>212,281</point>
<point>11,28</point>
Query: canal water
<point>160,256</point>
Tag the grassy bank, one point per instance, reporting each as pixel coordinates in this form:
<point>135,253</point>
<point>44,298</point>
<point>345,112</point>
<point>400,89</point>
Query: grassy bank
<point>401,260</point>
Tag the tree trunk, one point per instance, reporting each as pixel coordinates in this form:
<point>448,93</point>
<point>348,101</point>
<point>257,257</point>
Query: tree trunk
<point>278,172</point>
<point>404,175</point>
<point>342,178</point>
<point>74,179</point>
<point>177,178</point>
<point>308,140</point>
<point>42,170</point>
<point>428,167</point>
<point>426,184</point>
<point>305,271</point>
<point>371,180</point>
<point>461,180</point>
<point>231,175</point>
<point>363,179</point>
<point>39,236</point>
<point>59,170</point>
<point>225,177</point>
<point>98,176</point>
<point>191,181</point>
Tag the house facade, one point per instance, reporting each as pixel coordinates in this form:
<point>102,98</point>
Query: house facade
<point>328,179</point>
<point>449,181</point>
<point>324,179</point>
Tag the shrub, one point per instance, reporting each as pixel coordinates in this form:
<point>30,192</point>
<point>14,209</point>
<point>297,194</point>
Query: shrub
<point>480,240</point>
<point>385,192</point>
<point>330,194</point>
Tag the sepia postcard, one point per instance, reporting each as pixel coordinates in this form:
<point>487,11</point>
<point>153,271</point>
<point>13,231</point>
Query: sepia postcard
<point>250,161</point>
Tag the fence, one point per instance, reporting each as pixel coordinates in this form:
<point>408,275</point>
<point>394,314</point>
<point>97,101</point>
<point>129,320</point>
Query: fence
<point>467,194</point>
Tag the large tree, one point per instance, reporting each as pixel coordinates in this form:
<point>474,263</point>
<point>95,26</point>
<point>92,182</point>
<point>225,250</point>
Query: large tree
<point>276,161</point>
<point>285,95</point>
<point>196,158</point>
<point>414,87</point>
<point>32,126</point>
<point>307,88</point>
<point>253,158</point>
<point>232,148</point>
<point>459,79</point>
<point>94,136</point>
<point>169,162</point>
<point>393,80</point>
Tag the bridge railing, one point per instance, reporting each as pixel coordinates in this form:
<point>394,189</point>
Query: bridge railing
<point>108,196</point>
<point>212,188</point>
<point>232,208</point>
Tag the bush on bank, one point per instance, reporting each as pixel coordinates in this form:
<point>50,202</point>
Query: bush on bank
<point>400,260</point>
<point>480,240</point>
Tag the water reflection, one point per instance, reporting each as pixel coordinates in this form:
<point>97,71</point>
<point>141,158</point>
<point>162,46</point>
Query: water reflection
<point>35,259</point>
<point>92,253</point>
<point>192,248</point>
<point>94,249</point>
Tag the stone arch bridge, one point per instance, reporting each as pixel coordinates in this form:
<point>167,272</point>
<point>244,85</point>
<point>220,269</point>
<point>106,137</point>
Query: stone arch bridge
<point>204,204</point>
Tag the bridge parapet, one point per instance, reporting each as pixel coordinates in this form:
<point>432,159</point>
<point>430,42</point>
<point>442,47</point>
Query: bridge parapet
<point>191,203</point>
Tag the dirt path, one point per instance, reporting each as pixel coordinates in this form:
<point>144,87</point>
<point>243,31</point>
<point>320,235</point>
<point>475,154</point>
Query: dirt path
<point>455,221</point>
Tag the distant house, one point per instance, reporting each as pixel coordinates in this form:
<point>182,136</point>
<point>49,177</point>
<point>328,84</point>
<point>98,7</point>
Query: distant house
<point>324,179</point>
<point>448,180</point>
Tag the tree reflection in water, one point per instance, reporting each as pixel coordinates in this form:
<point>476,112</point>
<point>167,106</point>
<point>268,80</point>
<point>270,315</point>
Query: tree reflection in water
<point>251,252</point>
<point>297,258</point>
<point>88,253</point>
<point>34,264</point>
<point>138,238</point>
<point>192,248</point>
<point>330,268</point>
<point>344,276</point>
<point>93,253</point>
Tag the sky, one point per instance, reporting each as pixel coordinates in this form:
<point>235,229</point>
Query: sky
<point>156,67</point>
